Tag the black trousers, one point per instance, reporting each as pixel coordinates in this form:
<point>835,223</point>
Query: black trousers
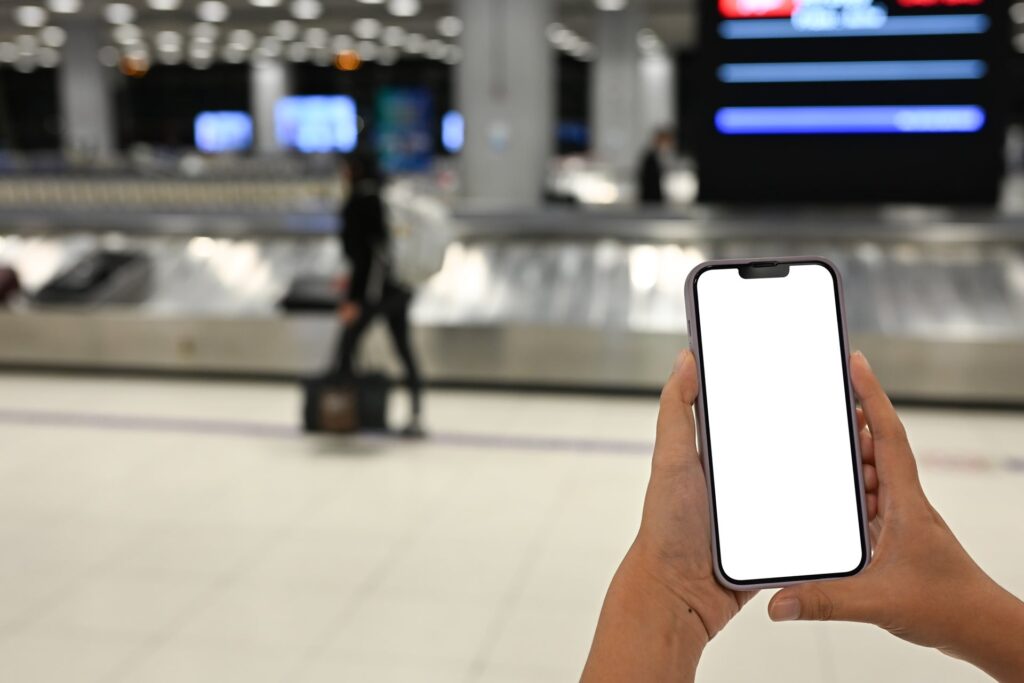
<point>394,307</point>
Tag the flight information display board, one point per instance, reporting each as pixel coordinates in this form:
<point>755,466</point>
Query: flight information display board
<point>852,100</point>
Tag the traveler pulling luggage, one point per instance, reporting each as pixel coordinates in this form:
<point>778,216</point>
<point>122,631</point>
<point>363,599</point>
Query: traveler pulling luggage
<point>373,292</point>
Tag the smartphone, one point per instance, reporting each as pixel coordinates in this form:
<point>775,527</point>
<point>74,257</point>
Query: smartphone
<point>776,421</point>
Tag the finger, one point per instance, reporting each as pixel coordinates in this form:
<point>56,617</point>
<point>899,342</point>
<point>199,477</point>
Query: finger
<point>892,453</point>
<point>842,600</point>
<point>676,439</point>
<point>867,447</point>
<point>862,420</point>
<point>870,479</point>
<point>872,503</point>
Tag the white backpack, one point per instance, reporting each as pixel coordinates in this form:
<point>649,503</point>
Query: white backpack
<point>420,228</point>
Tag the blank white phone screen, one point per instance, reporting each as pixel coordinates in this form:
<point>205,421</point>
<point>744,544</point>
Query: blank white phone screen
<point>778,425</point>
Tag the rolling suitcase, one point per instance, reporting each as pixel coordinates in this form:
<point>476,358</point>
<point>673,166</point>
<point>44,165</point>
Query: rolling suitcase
<point>343,405</point>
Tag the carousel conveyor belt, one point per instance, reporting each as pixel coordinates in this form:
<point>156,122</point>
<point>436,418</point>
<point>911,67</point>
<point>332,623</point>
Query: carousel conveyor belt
<point>560,300</point>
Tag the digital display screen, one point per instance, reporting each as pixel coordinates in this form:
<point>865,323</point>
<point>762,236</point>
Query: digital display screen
<point>785,493</point>
<point>219,132</point>
<point>317,123</point>
<point>852,100</point>
<point>453,131</point>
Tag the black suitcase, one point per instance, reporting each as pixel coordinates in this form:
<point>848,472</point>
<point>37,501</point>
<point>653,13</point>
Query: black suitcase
<point>345,405</point>
<point>101,277</point>
<point>311,293</point>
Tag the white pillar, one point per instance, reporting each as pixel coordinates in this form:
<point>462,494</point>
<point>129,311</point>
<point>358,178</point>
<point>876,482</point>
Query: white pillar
<point>86,93</point>
<point>504,88</point>
<point>657,83</point>
<point>269,81</point>
<point>618,133</point>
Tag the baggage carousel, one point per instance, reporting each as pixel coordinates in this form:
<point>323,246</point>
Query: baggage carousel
<point>555,299</point>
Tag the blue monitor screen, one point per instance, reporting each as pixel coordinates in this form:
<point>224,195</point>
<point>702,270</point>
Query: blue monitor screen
<point>217,132</point>
<point>453,132</point>
<point>317,123</point>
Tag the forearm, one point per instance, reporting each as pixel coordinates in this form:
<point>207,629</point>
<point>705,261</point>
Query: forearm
<point>992,635</point>
<point>645,633</point>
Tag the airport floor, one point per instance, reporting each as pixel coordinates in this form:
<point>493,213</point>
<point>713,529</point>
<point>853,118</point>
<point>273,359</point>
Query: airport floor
<point>167,530</point>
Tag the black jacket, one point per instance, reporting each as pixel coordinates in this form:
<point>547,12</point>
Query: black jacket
<point>651,191</point>
<point>364,239</point>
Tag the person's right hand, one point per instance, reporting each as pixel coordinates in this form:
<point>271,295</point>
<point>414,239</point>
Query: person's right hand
<point>921,585</point>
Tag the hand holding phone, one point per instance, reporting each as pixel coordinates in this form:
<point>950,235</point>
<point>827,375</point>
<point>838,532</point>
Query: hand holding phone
<point>776,421</point>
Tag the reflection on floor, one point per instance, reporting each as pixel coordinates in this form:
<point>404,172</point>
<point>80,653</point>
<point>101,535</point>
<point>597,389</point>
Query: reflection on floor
<point>184,531</point>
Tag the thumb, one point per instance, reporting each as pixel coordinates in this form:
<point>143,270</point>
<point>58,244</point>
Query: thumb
<point>842,600</point>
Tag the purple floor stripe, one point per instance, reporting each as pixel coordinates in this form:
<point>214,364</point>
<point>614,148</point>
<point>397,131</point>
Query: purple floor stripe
<point>240,428</point>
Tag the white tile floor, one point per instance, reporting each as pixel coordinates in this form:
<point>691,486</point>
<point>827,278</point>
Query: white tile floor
<point>180,531</point>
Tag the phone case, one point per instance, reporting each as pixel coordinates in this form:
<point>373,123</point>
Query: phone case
<point>702,437</point>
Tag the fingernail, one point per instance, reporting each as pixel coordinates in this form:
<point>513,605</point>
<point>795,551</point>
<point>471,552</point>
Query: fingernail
<point>862,357</point>
<point>786,609</point>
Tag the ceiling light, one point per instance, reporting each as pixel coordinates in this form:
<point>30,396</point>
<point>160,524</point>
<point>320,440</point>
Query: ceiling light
<point>393,36</point>
<point>316,37</point>
<point>322,57</point>
<point>169,58</point>
<point>232,54</point>
<point>285,29</point>
<point>404,8</point>
<point>8,52</point>
<point>557,33</point>
<point>297,52</point>
<point>611,5</point>
<point>53,36</point>
<point>435,49</point>
<point>30,16</point>
<point>242,39</point>
<point>168,41</point>
<point>454,55</point>
<point>415,43</point>
<point>372,2</point>
<point>64,6</point>
<point>388,56</point>
<point>348,60</point>
<point>214,11</point>
<point>1017,12</point>
<point>48,57</point>
<point>119,13</point>
<point>164,5</point>
<point>265,3</point>
<point>340,43</point>
<point>450,26</point>
<point>126,34</point>
<point>270,47</point>
<point>367,29</point>
<point>26,44</point>
<point>306,10</point>
<point>647,40</point>
<point>205,32</point>
<point>367,50</point>
<point>108,56</point>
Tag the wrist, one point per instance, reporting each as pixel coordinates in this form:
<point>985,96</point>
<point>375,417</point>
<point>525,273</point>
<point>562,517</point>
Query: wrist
<point>991,638</point>
<point>642,577</point>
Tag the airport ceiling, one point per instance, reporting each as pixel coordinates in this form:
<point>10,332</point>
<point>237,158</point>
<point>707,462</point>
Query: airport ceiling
<point>674,20</point>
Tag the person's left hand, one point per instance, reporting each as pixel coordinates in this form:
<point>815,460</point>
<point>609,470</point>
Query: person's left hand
<point>349,312</point>
<point>673,546</point>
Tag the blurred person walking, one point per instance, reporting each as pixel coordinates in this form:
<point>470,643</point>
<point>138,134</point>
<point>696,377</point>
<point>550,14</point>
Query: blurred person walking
<point>652,167</point>
<point>373,290</point>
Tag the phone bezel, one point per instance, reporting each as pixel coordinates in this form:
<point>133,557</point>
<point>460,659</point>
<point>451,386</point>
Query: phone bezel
<point>703,429</point>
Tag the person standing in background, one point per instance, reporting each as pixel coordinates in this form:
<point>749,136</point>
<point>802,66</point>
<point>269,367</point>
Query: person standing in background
<point>652,167</point>
<point>372,289</point>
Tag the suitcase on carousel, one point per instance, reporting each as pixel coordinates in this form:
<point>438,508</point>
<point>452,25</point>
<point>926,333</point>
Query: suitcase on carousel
<point>343,405</point>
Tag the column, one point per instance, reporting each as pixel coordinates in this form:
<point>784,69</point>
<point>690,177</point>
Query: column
<point>86,93</point>
<point>269,81</point>
<point>505,90</point>
<point>617,131</point>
